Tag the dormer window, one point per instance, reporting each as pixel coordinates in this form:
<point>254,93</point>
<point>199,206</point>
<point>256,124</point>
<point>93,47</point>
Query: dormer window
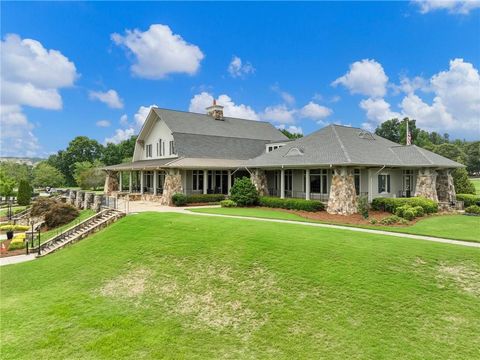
<point>271,147</point>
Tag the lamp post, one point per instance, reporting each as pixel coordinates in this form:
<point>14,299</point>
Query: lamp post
<point>32,222</point>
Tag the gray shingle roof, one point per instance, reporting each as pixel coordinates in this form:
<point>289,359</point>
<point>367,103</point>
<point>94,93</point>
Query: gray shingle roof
<point>202,124</point>
<point>342,145</point>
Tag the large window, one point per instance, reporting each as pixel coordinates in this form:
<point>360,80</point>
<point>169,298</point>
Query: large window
<point>197,180</point>
<point>148,151</point>
<point>356,178</point>
<point>383,183</point>
<point>318,181</point>
<point>160,180</point>
<point>148,181</point>
<point>407,182</point>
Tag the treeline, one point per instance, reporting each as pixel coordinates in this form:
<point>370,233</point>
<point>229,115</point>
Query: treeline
<point>78,165</point>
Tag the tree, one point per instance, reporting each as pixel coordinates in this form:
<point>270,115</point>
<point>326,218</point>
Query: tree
<point>243,192</point>
<point>472,151</point>
<point>24,195</point>
<point>89,175</point>
<point>7,184</point>
<point>390,130</point>
<point>291,135</point>
<point>462,183</point>
<point>115,153</point>
<point>16,171</point>
<point>45,174</point>
<point>452,152</point>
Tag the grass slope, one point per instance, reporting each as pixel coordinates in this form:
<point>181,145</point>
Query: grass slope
<point>458,227</point>
<point>181,286</point>
<point>476,183</point>
<point>84,214</point>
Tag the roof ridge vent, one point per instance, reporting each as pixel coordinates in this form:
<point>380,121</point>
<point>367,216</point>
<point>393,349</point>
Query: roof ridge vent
<point>367,135</point>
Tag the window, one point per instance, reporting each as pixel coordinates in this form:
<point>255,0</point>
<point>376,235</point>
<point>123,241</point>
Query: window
<point>172,148</point>
<point>383,183</point>
<point>148,180</point>
<point>288,180</point>
<point>318,181</point>
<point>274,147</point>
<point>148,151</point>
<point>159,148</point>
<point>160,180</point>
<point>356,178</point>
<point>197,179</point>
<point>407,182</point>
<point>163,148</point>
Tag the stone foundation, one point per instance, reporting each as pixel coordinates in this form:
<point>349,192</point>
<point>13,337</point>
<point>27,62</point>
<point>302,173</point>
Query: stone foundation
<point>172,185</point>
<point>88,201</point>
<point>79,199</point>
<point>71,197</point>
<point>111,182</point>
<point>427,184</point>
<point>97,203</point>
<point>259,179</point>
<point>445,187</point>
<point>343,198</point>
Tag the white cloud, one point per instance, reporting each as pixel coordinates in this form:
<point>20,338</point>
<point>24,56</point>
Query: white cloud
<point>410,85</point>
<point>378,110</point>
<point>124,120</point>
<point>103,123</point>
<point>159,52</point>
<point>279,114</point>
<point>365,77</point>
<point>452,6</point>
<point>201,101</point>
<point>286,97</point>
<point>237,68</point>
<point>31,75</point>
<point>120,135</point>
<point>141,114</point>
<point>109,97</point>
<point>315,111</point>
<point>291,129</point>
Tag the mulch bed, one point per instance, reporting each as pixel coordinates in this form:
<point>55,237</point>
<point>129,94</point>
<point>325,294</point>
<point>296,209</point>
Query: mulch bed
<point>5,253</point>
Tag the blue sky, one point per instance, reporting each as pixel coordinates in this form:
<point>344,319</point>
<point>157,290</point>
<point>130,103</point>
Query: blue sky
<point>93,69</point>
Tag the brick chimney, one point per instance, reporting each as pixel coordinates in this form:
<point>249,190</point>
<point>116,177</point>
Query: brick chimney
<point>215,111</point>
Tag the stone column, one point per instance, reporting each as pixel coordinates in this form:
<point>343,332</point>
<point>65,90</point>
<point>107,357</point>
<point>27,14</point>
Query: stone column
<point>155,180</point>
<point>445,187</point>
<point>343,198</point>
<point>426,185</point>
<point>307,184</point>
<point>111,182</point>
<point>172,185</point>
<point>282,184</point>
<point>259,179</point>
<point>229,181</point>
<point>141,182</point>
<point>71,197</point>
<point>205,181</point>
<point>79,199</point>
<point>97,202</point>
<point>130,180</point>
<point>88,202</point>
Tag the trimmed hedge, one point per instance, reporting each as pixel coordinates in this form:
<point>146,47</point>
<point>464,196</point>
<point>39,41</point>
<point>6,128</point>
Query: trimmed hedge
<point>179,199</point>
<point>468,199</point>
<point>18,242</point>
<point>393,219</point>
<point>204,198</point>
<point>228,203</point>
<point>473,209</point>
<point>14,227</point>
<point>291,204</point>
<point>391,204</point>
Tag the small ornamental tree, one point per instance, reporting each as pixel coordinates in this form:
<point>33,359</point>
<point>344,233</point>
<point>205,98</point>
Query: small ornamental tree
<point>243,192</point>
<point>24,195</point>
<point>462,183</point>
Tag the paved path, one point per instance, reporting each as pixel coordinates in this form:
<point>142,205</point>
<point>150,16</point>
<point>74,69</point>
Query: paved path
<point>16,259</point>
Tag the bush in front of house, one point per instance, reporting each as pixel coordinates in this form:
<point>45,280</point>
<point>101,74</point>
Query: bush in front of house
<point>60,214</point>
<point>391,204</point>
<point>244,193</point>
<point>24,193</point>
<point>469,199</point>
<point>179,199</point>
<point>228,203</point>
<point>291,204</point>
<point>204,198</point>
<point>473,210</point>
<point>41,206</point>
<point>362,206</point>
<point>392,220</point>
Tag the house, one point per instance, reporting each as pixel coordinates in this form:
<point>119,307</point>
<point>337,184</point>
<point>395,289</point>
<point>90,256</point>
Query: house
<point>203,153</point>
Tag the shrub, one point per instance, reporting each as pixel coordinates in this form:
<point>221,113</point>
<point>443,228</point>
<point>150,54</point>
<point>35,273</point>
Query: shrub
<point>41,206</point>
<point>409,214</point>
<point>391,204</point>
<point>419,212</point>
<point>391,220</point>
<point>373,221</point>
<point>179,199</point>
<point>362,206</point>
<point>399,211</point>
<point>24,193</point>
<point>473,209</point>
<point>60,214</point>
<point>243,192</point>
<point>228,203</point>
<point>14,227</point>
<point>461,181</point>
<point>18,242</point>
<point>468,199</point>
<point>204,198</point>
<point>291,204</point>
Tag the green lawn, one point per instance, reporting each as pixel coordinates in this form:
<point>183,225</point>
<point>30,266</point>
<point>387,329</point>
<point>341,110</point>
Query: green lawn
<point>3,212</point>
<point>51,233</point>
<point>165,285</point>
<point>476,183</point>
<point>458,227</point>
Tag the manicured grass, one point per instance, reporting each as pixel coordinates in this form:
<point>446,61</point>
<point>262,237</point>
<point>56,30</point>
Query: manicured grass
<point>84,214</point>
<point>3,212</point>
<point>458,227</point>
<point>476,183</point>
<point>165,285</point>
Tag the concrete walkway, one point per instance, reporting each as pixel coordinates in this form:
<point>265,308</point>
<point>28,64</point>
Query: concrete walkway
<point>16,259</point>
